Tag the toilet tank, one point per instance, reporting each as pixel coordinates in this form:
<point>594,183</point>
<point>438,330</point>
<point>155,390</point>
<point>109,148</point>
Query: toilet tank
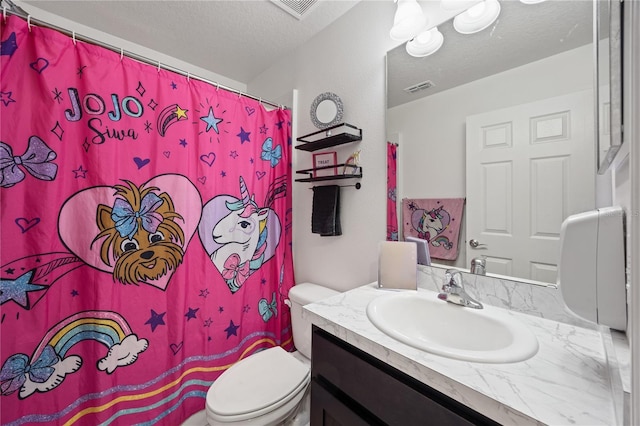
<point>300,295</point>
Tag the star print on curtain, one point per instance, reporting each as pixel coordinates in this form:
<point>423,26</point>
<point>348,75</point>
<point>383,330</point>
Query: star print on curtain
<point>146,234</point>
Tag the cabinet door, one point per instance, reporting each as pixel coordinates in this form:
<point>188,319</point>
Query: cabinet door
<point>379,390</point>
<point>327,410</point>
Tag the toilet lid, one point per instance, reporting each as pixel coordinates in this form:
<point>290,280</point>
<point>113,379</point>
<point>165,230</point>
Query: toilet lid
<point>259,381</point>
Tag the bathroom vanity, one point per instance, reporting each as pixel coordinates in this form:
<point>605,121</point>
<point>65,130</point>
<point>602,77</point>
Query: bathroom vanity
<point>350,387</point>
<point>363,376</point>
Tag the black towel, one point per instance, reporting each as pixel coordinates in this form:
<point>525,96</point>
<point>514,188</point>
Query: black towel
<point>325,216</point>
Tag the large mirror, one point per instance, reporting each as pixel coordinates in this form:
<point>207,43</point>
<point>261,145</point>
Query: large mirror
<point>609,79</point>
<point>506,120</point>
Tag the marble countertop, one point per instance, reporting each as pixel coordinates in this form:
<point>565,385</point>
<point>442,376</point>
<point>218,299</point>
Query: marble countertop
<point>566,382</point>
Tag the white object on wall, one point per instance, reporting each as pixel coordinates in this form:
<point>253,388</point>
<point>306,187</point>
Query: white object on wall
<point>591,271</point>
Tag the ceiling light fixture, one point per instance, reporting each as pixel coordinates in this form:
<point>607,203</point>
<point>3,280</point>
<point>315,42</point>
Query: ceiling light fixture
<point>477,18</point>
<point>456,4</point>
<point>426,43</point>
<point>408,21</point>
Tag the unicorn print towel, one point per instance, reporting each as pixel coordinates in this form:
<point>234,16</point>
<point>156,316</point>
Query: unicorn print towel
<point>436,220</point>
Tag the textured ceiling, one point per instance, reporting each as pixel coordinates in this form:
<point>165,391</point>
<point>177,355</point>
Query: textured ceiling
<point>236,39</point>
<point>522,34</point>
<point>240,39</point>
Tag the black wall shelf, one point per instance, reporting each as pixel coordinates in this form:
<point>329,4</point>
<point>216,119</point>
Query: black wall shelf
<point>357,173</point>
<point>331,136</point>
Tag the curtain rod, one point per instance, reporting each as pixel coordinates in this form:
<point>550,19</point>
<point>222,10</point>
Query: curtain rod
<point>17,11</point>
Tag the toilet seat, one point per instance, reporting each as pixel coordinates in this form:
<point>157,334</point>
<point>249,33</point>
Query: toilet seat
<point>259,384</point>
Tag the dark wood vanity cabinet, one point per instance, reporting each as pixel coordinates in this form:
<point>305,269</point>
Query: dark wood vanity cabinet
<point>350,387</point>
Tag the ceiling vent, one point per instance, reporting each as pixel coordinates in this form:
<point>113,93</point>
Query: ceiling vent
<point>420,86</point>
<point>296,8</point>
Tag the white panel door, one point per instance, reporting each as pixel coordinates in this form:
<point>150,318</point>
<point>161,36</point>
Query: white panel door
<point>528,168</point>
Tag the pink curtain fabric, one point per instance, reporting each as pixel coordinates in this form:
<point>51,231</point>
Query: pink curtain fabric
<point>392,215</point>
<point>146,234</point>
<point>436,220</point>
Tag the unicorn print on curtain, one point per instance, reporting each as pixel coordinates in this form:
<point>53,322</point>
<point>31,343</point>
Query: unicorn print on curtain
<point>146,234</point>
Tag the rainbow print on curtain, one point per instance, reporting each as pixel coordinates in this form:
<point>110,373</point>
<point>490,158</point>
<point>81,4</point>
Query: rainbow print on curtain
<point>146,234</point>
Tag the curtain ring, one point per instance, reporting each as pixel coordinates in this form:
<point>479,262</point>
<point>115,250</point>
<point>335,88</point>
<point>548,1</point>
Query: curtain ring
<point>121,53</point>
<point>73,36</point>
<point>188,77</point>
<point>239,94</point>
<point>159,65</point>
<point>29,22</point>
<point>4,13</point>
<point>217,86</point>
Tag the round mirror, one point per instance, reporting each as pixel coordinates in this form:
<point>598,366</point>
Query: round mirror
<point>326,110</point>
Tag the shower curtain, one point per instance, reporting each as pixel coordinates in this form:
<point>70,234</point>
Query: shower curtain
<point>392,214</point>
<point>146,234</point>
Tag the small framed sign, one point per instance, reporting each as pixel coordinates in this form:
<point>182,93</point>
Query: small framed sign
<point>325,159</point>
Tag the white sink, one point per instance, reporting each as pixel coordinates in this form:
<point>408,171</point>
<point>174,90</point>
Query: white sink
<point>421,320</point>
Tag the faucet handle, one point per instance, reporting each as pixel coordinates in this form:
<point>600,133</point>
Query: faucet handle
<point>453,290</point>
<point>452,278</point>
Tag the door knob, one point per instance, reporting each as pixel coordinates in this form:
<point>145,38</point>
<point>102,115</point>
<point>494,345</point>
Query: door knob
<point>475,244</point>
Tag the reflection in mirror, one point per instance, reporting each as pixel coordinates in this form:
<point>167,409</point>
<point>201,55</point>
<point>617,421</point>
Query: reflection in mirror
<point>326,111</point>
<point>507,123</point>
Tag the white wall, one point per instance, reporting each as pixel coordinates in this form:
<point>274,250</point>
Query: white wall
<point>432,129</point>
<point>347,58</point>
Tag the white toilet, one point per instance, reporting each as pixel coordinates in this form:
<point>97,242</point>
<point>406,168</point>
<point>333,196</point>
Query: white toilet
<point>267,387</point>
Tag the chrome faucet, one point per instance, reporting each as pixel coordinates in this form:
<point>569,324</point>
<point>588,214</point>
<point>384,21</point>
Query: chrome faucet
<point>453,291</point>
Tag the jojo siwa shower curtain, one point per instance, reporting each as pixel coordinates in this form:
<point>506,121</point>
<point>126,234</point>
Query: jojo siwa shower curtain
<point>146,234</point>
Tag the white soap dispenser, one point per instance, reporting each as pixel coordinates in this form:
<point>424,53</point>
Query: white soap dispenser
<point>591,272</point>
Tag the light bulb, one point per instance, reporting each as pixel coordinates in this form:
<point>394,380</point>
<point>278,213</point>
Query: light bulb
<point>408,21</point>
<point>426,43</point>
<point>477,18</point>
<point>456,4</point>
<point>477,10</point>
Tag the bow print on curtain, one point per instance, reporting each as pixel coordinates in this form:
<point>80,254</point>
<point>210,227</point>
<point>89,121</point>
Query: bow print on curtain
<point>146,230</point>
